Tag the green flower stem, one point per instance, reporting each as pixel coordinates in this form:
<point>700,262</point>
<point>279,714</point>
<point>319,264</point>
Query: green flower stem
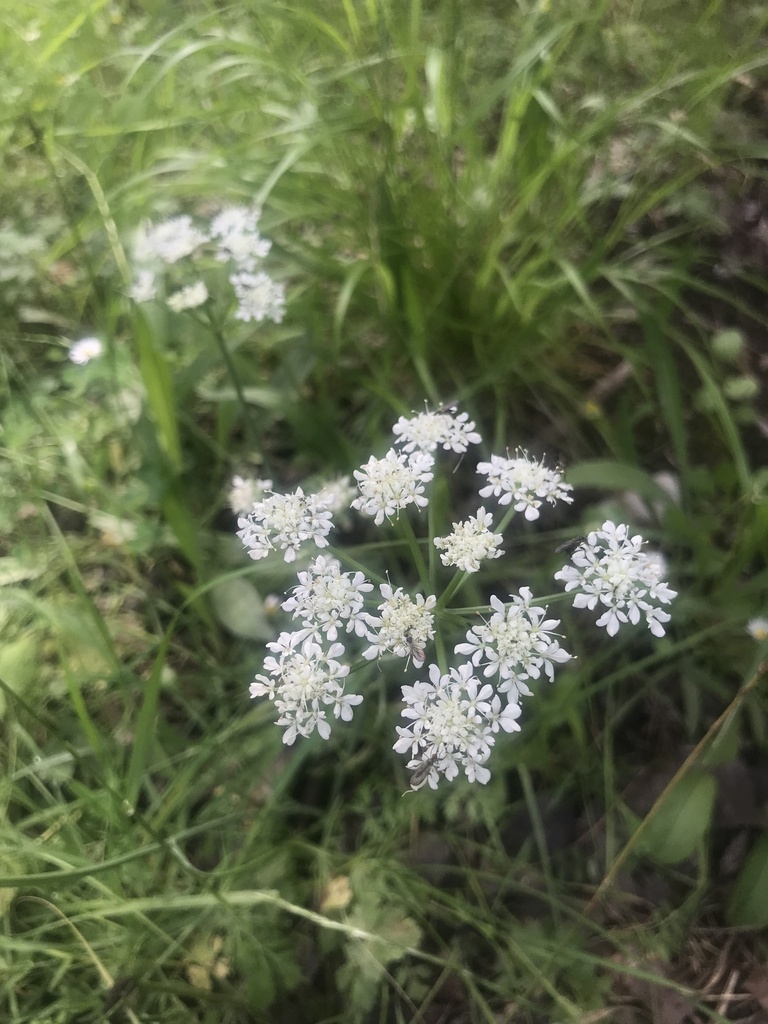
<point>456,583</point>
<point>248,423</point>
<point>418,558</point>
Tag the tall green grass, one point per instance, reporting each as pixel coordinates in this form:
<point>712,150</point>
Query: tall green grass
<point>520,207</point>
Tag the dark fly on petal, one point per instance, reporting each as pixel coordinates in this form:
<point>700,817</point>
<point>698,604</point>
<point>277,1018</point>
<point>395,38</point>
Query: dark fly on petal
<point>570,545</point>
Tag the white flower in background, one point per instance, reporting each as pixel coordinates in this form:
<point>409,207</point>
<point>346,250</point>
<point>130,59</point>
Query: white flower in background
<point>758,628</point>
<point>83,351</point>
<point>470,542</point>
<point>304,681</point>
<point>658,561</point>
<point>144,288</point>
<point>523,481</point>
<point>337,495</point>
<point>404,626</point>
<point>517,642</point>
<point>611,569</point>
<point>452,722</point>
<point>390,484</point>
<point>114,532</point>
<point>244,492</point>
<point>128,404</point>
<point>168,241</point>
<point>259,297</point>
<point>284,522</point>
<point>641,510</point>
<point>190,297</point>
<point>327,599</point>
<point>235,230</point>
<point>428,430</point>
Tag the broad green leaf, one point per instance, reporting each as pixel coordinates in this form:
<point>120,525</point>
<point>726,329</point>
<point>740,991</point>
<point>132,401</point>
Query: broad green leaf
<point>19,664</point>
<point>239,608</point>
<point>615,476</point>
<point>678,827</point>
<point>748,904</point>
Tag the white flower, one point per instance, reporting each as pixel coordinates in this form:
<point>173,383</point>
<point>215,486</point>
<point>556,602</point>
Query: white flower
<point>758,628</point>
<point>404,626</point>
<point>337,494</point>
<point>304,680</point>
<point>285,522</point>
<point>523,481</point>
<point>470,542</point>
<point>426,431</point>
<point>244,492</point>
<point>517,642</point>
<point>236,231</point>
<point>167,242</point>
<point>611,569</point>
<point>327,599</point>
<point>83,351</point>
<point>190,297</point>
<point>452,724</point>
<point>144,288</point>
<point>390,484</point>
<point>114,532</point>
<point>259,297</point>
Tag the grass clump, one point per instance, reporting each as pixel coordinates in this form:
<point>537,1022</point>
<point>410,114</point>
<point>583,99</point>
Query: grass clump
<point>547,215</point>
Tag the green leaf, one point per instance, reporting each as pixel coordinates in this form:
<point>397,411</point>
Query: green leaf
<point>19,664</point>
<point>239,608</point>
<point>748,904</point>
<point>616,476</point>
<point>156,376</point>
<point>681,822</point>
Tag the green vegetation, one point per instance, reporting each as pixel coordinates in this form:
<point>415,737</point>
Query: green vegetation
<point>553,213</point>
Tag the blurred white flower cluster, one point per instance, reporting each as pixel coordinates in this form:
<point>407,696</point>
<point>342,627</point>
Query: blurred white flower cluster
<point>232,237</point>
<point>454,712</point>
<point>83,351</point>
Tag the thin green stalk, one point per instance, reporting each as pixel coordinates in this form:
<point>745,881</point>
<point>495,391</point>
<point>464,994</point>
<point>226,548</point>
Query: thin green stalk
<point>248,421</point>
<point>421,566</point>
<point>683,770</point>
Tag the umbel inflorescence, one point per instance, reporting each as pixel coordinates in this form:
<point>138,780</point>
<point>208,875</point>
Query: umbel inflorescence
<point>453,711</point>
<point>177,251</point>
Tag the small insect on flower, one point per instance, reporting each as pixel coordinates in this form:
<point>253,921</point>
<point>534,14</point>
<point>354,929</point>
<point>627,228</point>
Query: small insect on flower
<point>420,775</point>
<point>569,546</point>
<point>416,649</point>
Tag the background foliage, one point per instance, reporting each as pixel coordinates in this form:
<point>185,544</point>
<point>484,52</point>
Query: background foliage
<point>554,213</point>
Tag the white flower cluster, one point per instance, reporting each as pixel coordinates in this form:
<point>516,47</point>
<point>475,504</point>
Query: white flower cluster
<point>304,679</point>
<point>611,569</point>
<point>83,351</point>
<point>244,492</point>
<point>390,484</point>
<point>516,644</point>
<point>470,542</point>
<point>167,242</point>
<point>235,238</point>
<point>337,494</point>
<point>403,627</point>
<point>758,628</point>
<point>452,724</point>
<point>307,674</point>
<point>189,297</point>
<point>327,599</point>
<point>452,716</point>
<point>428,430</point>
<point>285,522</point>
<point>523,481</point>
<point>258,296</point>
<point>236,232</point>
